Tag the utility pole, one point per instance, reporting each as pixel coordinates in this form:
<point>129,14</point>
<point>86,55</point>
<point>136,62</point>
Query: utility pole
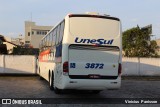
<point>31,16</point>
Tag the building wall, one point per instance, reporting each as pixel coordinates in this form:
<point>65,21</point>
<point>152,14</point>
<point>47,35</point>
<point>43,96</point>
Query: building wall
<point>22,64</point>
<point>35,40</point>
<point>28,26</point>
<point>34,33</point>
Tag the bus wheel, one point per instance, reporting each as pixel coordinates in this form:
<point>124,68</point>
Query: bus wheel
<point>57,91</point>
<point>51,79</point>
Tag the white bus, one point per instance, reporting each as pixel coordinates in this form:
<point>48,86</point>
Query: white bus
<point>82,52</point>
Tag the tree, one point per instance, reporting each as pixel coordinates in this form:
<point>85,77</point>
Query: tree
<point>25,51</point>
<point>138,43</point>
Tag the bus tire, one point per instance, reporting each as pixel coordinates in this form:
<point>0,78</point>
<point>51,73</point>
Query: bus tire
<point>51,79</point>
<point>57,91</point>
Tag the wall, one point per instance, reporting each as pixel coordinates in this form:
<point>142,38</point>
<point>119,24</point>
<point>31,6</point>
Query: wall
<point>131,66</point>
<point>1,63</point>
<point>141,66</point>
<point>22,64</point>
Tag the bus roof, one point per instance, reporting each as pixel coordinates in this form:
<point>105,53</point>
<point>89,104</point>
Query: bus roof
<point>95,16</point>
<point>86,15</point>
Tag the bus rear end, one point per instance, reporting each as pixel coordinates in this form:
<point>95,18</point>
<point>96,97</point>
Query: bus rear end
<point>94,57</point>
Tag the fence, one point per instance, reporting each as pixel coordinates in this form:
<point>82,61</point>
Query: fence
<point>23,64</point>
<point>26,64</point>
<point>141,66</point>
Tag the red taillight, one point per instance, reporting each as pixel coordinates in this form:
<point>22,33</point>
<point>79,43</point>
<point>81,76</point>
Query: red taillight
<point>119,69</point>
<point>65,67</point>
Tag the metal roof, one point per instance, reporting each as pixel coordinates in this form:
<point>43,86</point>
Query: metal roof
<point>2,38</point>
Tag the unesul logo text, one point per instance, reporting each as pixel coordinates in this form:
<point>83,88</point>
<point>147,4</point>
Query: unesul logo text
<point>94,41</point>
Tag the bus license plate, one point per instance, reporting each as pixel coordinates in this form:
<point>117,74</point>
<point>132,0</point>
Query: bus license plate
<point>94,76</point>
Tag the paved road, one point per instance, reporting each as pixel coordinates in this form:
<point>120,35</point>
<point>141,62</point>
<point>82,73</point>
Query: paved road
<point>32,87</point>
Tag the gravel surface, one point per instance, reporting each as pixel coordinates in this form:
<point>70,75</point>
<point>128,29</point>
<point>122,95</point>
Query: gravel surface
<point>32,87</point>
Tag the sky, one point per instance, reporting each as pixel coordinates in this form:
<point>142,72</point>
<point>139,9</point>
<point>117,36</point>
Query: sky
<point>13,13</point>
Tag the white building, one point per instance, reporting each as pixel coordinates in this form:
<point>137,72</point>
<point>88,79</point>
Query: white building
<point>34,33</point>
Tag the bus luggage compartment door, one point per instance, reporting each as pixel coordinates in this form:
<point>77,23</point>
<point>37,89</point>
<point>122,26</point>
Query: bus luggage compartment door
<point>90,62</point>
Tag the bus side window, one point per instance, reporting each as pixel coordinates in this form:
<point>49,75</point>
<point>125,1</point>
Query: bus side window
<point>61,32</point>
<point>50,40</point>
<point>57,36</point>
<point>54,37</point>
<point>58,50</point>
<point>47,41</point>
<point>44,43</point>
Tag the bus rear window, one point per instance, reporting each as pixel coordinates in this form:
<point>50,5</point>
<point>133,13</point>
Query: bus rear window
<point>94,27</point>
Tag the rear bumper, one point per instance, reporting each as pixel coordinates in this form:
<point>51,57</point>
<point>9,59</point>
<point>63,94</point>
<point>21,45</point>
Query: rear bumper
<point>90,84</point>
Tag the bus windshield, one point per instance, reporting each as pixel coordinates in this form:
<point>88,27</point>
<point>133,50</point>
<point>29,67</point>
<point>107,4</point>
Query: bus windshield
<point>94,27</point>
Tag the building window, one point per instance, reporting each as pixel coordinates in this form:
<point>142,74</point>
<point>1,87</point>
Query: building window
<point>28,33</point>
<point>37,32</point>
<point>27,41</point>
<point>43,33</point>
<point>32,32</point>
